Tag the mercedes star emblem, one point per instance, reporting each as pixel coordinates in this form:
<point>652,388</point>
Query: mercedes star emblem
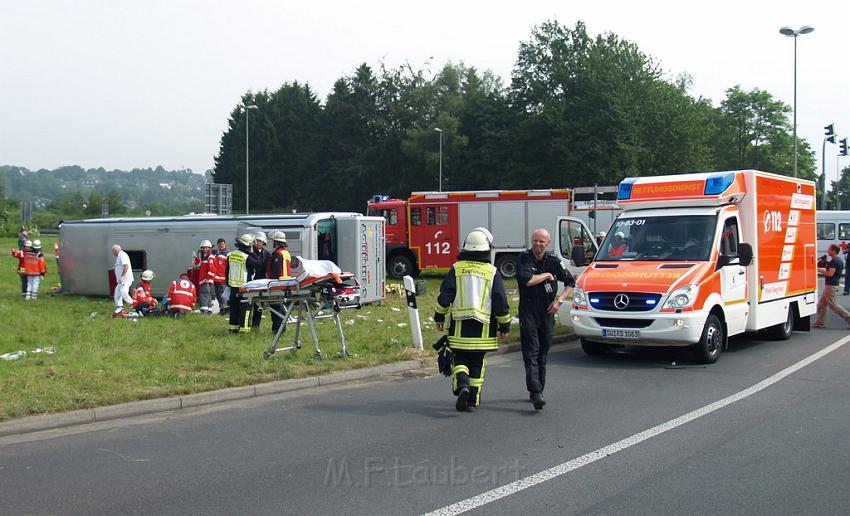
<point>621,302</point>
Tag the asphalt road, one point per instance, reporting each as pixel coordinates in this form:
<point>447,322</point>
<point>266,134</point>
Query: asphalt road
<point>398,446</point>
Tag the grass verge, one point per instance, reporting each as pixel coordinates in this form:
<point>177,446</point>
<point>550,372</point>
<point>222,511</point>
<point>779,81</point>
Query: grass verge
<point>102,361</point>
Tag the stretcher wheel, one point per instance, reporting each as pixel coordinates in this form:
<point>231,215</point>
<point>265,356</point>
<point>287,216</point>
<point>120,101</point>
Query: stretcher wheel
<point>344,354</point>
<point>266,355</point>
<point>297,346</point>
<point>317,356</point>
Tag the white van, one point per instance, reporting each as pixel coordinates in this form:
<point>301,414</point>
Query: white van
<point>833,227</point>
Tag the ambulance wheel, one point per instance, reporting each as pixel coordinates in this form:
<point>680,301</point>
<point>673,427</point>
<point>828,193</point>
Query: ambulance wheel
<point>507,265</point>
<point>783,331</point>
<point>707,350</point>
<point>593,348</point>
<point>400,266</point>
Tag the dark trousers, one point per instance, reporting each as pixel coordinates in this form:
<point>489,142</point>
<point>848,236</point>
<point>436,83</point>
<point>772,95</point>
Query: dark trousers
<point>239,311</point>
<point>536,335</point>
<point>847,274</point>
<point>256,315</point>
<point>23,284</point>
<point>468,370</point>
<point>276,319</point>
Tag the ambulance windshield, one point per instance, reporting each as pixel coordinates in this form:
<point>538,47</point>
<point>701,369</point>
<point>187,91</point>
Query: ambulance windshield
<point>668,238</point>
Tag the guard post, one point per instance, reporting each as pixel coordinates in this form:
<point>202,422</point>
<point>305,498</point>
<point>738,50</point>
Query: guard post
<point>413,311</point>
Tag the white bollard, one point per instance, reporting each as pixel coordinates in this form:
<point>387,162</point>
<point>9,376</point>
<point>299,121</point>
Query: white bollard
<point>412,311</point>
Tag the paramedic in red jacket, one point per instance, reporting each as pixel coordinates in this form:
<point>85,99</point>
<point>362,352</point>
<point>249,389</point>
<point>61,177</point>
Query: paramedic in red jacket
<point>35,268</point>
<point>218,270</point>
<point>21,254</point>
<point>143,300</point>
<point>181,296</point>
<point>206,290</point>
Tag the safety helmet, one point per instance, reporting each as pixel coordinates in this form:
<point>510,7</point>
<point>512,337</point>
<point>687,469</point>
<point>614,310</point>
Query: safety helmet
<point>620,234</point>
<point>27,243</point>
<point>260,236</point>
<point>476,240</point>
<point>279,236</point>
<point>36,244</point>
<point>486,233</point>
<point>148,275</point>
<point>205,243</point>
<point>246,239</point>
<point>601,234</point>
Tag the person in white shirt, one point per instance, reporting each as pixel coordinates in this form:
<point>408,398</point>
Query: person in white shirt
<point>124,279</point>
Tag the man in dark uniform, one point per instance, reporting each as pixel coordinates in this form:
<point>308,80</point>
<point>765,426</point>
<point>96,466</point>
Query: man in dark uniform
<point>257,270</point>
<point>538,274</point>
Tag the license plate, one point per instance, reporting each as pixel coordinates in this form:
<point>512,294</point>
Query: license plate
<point>620,334</point>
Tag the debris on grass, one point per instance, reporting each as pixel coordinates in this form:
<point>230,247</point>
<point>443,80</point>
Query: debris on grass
<point>395,309</point>
<point>13,355</point>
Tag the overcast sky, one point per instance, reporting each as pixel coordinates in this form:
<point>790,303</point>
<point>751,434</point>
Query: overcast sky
<point>125,84</point>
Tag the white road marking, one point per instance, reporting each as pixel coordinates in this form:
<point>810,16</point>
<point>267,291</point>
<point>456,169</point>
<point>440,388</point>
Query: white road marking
<point>584,460</point>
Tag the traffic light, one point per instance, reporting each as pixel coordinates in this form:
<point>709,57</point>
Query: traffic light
<point>842,147</point>
<point>830,129</point>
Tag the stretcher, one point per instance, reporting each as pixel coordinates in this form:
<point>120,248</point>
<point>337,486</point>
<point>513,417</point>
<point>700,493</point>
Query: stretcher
<point>305,297</point>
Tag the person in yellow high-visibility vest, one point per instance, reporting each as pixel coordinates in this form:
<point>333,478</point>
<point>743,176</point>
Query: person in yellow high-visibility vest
<point>237,275</point>
<point>472,296</point>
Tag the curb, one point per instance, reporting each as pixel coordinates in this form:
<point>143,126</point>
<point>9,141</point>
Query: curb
<point>138,408</point>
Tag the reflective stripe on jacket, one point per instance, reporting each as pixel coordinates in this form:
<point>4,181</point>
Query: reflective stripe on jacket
<point>181,295</point>
<point>143,294</point>
<point>218,267</point>
<point>34,264</point>
<point>474,281</point>
<point>237,270</point>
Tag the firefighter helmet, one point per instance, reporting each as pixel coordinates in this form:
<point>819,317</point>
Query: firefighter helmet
<point>260,236</point>
<point>27,243</point>
<point>36,244</point>
<point>148,275</point>
<point>279,236</point>
<point>246,239</point>
<point>206,243</point>
<point>486,233</point>
<point>476,240</point>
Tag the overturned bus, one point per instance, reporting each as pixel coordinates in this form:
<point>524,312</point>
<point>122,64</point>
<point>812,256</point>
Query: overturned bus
<point>168,245</point>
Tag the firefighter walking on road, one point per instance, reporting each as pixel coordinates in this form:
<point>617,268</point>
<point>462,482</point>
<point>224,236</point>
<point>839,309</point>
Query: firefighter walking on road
<point>237,275</point>
<point>473,297</point>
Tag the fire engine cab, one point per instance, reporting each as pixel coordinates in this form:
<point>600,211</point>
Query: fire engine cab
<point>696,258</point>
<point>425,231</point>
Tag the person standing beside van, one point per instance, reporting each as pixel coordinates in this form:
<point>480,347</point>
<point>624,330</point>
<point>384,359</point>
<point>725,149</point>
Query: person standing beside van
<point>832,275</point>
<point>538,274</point>
<point>237,275</point>
<point>123,279</point>
<point>218,270</point>
<point>35,268</point>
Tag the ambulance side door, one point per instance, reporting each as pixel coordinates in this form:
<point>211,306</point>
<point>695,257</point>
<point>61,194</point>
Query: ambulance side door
<point>733,277</point>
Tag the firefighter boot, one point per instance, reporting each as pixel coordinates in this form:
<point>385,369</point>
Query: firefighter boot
<point>462,404</point>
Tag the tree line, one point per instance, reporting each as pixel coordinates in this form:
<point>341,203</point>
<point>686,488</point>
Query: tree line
<point>579,110</point>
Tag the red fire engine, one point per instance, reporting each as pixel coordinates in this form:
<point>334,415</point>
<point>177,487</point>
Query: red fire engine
<point>425,232</point>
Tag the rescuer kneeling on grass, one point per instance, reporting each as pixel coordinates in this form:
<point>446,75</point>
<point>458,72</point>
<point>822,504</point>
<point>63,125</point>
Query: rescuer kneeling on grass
<point>144,303</point>
<point>181,296</point>
<point>473,295</point>
<point>237,275</point>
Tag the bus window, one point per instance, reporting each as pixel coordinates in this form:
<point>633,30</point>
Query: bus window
<point>326,231</point>
<point>844,231</point>
<point>826,230</point>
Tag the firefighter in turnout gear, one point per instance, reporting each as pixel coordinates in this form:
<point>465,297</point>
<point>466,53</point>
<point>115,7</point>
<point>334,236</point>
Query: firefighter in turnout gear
<point>35,270</point>
<point>278,266</point>
<point>237,275</point>
<point>473,296</point>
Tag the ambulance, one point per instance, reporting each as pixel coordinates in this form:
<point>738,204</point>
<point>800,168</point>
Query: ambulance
<point>696,258</point>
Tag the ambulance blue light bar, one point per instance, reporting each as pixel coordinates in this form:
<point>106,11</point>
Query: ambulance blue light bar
<point>716,184</point>
<point>625,191</point>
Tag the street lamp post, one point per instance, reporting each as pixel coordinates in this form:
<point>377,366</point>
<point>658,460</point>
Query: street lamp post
<point>247,108</point>
<point>788,31</point>
<point>440,181</point>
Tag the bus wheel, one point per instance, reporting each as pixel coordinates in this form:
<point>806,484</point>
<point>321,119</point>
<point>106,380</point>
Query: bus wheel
<point>782,331</point>
<point>709,346</point>
<point>400,266</point>
<point>593,348</point>
<point>507,264</point>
